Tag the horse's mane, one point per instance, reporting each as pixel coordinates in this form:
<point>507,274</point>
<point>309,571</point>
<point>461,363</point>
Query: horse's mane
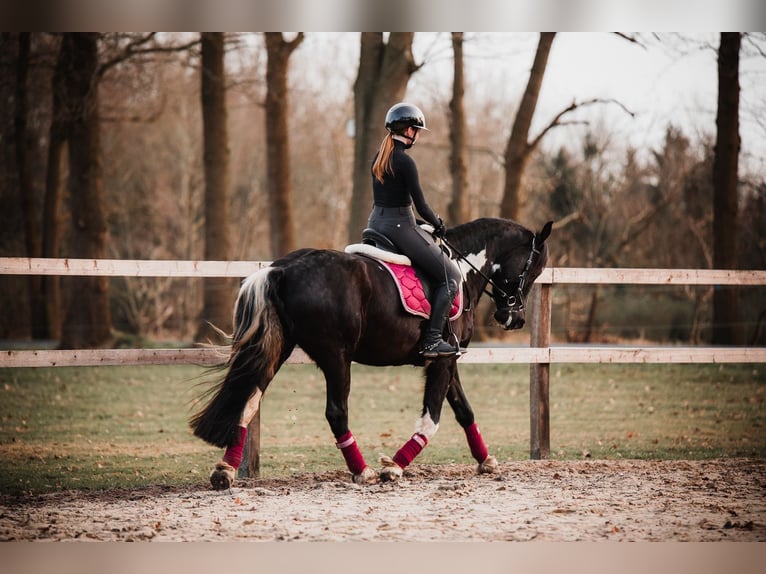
<point>471,237</point>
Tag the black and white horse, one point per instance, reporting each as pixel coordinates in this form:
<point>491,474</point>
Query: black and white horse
<point>343,307</point>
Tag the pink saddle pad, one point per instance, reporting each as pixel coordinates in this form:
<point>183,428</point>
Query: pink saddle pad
<point>412,295</point>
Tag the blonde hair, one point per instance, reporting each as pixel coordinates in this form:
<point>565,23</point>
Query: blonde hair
<point>382,165</point>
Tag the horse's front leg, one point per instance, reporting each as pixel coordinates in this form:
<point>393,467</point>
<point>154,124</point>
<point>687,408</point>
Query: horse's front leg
<point>438,375</point>
<point>338,380</point>
<point>465,418</point>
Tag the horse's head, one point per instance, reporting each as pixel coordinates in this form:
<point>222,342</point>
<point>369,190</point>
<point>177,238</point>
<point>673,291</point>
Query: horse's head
<point>513,275</point>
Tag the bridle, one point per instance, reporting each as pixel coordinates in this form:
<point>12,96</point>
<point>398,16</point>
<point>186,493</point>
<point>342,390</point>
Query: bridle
<point>514,303</point>
<point>504,301</point>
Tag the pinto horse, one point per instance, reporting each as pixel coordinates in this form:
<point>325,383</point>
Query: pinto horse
<point>344,307</point>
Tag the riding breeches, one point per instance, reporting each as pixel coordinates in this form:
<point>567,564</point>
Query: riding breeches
<point>398,224</point>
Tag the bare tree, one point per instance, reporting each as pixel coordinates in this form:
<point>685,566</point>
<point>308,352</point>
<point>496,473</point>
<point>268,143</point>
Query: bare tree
<point>458,207</point>
<point>217,295</point>
<point>725,173</point>
<point>518,150</point>
<point>277,142</point>
<point>384,70</point>
<point>26,188</point>
<point>88,320</point>
<point>58,134</point>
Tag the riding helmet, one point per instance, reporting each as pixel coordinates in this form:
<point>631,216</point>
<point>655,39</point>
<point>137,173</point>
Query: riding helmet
<point>403,115</point>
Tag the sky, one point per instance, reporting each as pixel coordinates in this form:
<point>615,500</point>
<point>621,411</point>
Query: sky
<point>672,79</point>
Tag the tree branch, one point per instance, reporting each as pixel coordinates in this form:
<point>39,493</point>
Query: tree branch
<point>135,48</point>
<point>630,38</point>
<point>556,121</point>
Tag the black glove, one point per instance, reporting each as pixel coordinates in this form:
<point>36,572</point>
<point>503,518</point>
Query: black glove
<point>440,230</point>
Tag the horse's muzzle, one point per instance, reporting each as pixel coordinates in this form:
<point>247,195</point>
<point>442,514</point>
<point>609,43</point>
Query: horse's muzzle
<point>510,320</point>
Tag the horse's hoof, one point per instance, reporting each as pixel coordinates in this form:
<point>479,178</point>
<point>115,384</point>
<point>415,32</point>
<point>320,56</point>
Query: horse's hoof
<point>222,476</point>
<point>489,466</point>
<point>367,476</point>
<point>391,472</point>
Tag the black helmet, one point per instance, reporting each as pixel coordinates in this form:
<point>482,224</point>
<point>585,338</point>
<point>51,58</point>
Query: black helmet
<point>403,115</point>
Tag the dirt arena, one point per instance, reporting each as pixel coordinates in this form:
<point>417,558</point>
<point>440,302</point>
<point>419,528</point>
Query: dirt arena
<point>719,500</point>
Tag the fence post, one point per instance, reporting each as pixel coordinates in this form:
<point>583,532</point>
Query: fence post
<point>539,374</point>
<point>251,455</point>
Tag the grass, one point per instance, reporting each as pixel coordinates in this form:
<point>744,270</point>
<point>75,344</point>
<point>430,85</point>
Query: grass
<point>107,427</point>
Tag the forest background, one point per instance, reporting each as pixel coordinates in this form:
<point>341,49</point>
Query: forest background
<point>245,146</point>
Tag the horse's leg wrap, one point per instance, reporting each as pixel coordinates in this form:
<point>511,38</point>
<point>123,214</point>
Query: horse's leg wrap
<point>476,443</point>
<point>410,450</point>
<point>352,454</point>
<point>233,454</point>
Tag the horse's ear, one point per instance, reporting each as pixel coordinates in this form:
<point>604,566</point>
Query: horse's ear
<point>544,232</point>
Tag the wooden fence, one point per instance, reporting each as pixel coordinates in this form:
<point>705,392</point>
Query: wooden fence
<point>539,355</point>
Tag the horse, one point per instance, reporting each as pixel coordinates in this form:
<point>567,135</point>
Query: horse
<point>341,307</point>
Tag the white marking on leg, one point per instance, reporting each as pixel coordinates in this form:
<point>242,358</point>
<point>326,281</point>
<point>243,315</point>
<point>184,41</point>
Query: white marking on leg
<point>426,426</point>
<point>251,408</point>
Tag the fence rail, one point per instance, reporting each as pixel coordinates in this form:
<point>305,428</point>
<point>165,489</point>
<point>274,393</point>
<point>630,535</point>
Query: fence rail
<point>213,356</point>
<point>179,268</point>
<point>539,355</point>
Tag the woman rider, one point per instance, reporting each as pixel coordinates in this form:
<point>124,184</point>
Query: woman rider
<point>396,187</point>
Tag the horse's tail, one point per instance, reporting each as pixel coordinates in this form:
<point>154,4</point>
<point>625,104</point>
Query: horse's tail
<point>258,344</point>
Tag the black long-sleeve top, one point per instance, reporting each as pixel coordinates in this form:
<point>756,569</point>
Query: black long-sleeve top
<point>403,187</point>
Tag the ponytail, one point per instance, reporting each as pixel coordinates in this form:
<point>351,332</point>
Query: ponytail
<point>382,164</point>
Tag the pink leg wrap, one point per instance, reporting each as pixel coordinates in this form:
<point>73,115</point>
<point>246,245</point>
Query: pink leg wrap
<point>233,455</point>
<point>410,450</point>
<point>476,442</point>
<point>352,454</point>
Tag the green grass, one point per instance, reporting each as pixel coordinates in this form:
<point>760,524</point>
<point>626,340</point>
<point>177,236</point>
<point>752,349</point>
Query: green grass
<point>105,427</point>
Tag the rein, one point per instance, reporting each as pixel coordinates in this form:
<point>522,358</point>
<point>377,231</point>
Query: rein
<point>510,300</point>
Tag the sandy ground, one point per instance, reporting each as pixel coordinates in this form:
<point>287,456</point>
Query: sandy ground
<point>716,500</point>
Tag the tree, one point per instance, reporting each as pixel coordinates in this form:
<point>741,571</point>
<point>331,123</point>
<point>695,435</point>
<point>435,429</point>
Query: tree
<point>29,203</point>
<point>725,172</point>
<point>518,150</point>
<point>87,322</point>
<point>217,292</point>
<point>277,142</point>
<point>58,134</point>
<point>458,207</point>
<point>384,70</point>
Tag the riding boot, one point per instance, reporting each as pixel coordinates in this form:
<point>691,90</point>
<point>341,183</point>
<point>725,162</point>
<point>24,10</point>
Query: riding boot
<point>433,345</point>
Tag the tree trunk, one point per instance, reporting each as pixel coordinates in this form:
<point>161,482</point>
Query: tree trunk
<point>518,149</point>
<point>15,321</point>
<point>59,133</point>
<point>725,167</point>
<point>458,207</point>
<point>29,202</point>
<point>384,70</point>
<point>281,219</point>
<point>217,291</point>
<point>88,320</point>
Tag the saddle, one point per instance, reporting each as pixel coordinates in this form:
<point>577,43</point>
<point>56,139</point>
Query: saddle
<point>413,285</point>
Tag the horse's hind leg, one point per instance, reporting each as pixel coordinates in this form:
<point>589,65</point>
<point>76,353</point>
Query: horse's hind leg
<point>438,375</point>
<point>225,469</point>
<point>338,380</point>
<point>465,418</point>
